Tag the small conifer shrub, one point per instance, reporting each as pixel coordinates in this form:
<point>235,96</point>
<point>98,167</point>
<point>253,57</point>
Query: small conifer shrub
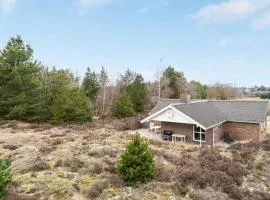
<point>136,165</point>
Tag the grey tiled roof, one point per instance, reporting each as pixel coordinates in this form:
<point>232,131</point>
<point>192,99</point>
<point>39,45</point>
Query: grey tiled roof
<point>243,111</point>
<point>162,103</point>
<point>203,112</point>
<point>211,112</point>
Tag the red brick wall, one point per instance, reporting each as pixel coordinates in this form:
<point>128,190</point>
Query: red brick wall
<point>219,133</point>
<point>243,131</point>
<point>240,131</point>
<point>187,130</point>
<point>184,129</point>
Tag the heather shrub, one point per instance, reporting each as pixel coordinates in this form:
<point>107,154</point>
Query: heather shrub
<point>180,189</point>
<point>237,172</point>
<point>233,191</point>
<point>266,145</point>
<point>96,167</point>
<point>137,163</point>
<point>97,188</point>
<point>110,151</point>
<point>38,166</point>
<point>10,147</point>
<point>74,164</point>
<point>5,175</point>
<point>207,194</point>
<point>258,195</point>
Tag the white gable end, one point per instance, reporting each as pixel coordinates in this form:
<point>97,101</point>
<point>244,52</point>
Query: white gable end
<point>170,115</point>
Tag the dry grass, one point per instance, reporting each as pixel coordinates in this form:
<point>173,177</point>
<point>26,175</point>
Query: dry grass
<point>78,162</point>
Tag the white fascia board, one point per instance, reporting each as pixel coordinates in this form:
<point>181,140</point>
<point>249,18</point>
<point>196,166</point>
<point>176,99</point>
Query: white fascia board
<point>155,114</point>
<point>217,124</point>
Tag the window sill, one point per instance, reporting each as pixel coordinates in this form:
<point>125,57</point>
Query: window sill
<point>199,141</point>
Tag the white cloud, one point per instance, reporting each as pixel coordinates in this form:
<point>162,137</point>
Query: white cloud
<point>232,40</point>
<point>230,10</point>
<point>6,6</point>
<point>143,10</point>
<point>263,22</point>
<point>164,2</point>
<point>83,6</point>
<point>223,42</point>
<point>90,3</point>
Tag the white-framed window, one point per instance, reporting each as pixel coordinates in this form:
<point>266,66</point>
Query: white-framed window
<point>198,134</point>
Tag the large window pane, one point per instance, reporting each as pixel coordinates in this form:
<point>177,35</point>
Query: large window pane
<point>203,136</point>
<point>197,129</point>
<point>197,136</point>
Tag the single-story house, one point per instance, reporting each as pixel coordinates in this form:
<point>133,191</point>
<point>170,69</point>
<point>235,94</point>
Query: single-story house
<point>206,121</point>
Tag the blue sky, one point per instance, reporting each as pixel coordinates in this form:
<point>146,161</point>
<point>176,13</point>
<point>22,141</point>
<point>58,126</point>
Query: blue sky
<point>211,40</point>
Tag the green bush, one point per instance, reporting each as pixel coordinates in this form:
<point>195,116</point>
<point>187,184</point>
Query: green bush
<point>71,105</point>
<point>265,96</point>
<point>123,106</point>
<point>136,164</point>
<point>5,175</point>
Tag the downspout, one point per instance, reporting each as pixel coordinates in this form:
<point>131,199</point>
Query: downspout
<point>213,136</point>
<point>200,138</point>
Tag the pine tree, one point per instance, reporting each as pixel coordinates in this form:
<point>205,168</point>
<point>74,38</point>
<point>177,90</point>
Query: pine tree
<point>54,82</point>
<point>175,82</point>
<point>127,79</point>
<point>103,79</point>
<point>138,93</point>
<point>201,90</point>
<point>71,105</point>
<point>91,84</point>
<point>123,106</point>
<point>20,81</point>
<point>136,164</point>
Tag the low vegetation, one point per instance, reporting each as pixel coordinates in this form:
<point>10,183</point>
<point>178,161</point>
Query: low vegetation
<point>5,175</point>
<point>80,162</point>
<point>265,96</point>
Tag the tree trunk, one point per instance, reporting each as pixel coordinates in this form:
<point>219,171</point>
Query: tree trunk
<point>103,100</point>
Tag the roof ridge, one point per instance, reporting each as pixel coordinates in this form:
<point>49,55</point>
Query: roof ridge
<point>199,101</point>
<point>168,99</point>
<point>246,101</point>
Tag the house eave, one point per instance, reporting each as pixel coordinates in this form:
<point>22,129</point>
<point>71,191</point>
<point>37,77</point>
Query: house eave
<point>176,110</point>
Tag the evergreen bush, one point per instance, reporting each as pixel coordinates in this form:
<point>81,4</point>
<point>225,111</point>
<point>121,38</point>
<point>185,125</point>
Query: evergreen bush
<point>123,106</point>
<point>136,165</point>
